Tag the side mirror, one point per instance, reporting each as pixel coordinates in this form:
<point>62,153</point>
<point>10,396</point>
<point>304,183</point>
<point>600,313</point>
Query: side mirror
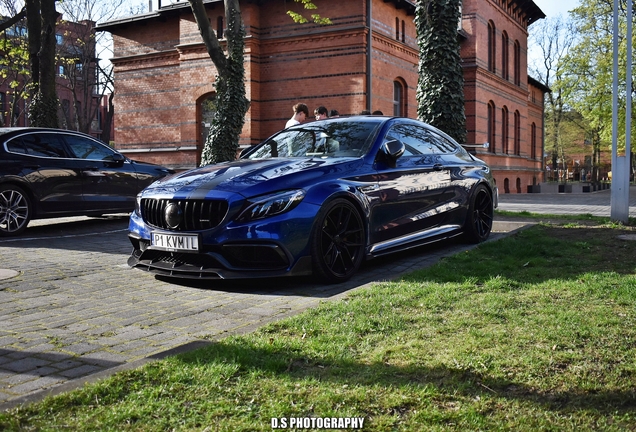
<point>391,151</point>
<point>118,158</point>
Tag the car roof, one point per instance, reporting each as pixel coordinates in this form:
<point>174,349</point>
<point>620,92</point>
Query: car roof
<point>8,132</point>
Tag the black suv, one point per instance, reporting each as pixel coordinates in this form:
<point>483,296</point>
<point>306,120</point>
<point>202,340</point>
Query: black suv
<point>47,173</point>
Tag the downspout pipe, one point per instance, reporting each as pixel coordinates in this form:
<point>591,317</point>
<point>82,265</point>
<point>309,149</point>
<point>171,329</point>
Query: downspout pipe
<point>369,54</point>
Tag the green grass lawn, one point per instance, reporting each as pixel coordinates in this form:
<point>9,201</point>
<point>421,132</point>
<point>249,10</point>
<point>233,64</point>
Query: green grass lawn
<point>536,331</point>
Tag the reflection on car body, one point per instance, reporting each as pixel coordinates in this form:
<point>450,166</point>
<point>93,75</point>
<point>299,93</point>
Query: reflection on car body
<point>53,172</point>
<point>314,198</point>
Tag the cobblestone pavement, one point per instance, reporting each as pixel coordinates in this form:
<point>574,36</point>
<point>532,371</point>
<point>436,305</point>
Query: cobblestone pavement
<point>76,312</point>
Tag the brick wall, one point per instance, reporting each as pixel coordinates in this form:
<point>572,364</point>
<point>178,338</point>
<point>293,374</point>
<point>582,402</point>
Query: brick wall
<point>163,72</point>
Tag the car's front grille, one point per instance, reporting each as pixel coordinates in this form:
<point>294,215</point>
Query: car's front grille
<point>194,215</point>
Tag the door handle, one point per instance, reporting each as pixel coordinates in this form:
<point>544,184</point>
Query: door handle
<point>438,167</point>
<point>32,167</point>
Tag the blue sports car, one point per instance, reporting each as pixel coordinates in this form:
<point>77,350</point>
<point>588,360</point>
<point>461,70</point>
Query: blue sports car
<point>317,198</point>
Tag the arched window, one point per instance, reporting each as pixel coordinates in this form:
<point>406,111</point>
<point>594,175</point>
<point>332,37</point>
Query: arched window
<point>517,133</point>
<point>403,37</point>
<point>398,99</point>
<point>517,62</point>
<point>491,126</point>
<point>491,46</point>
<point>518,185</point>
<point>533,141</point>
<point>219,27</point>
<point>397,28</point>
<point>504,56</point>
<point>504,130</point>
<point>506,185</point>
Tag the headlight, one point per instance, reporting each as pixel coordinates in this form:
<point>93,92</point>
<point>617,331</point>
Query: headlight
<point>272,204</point>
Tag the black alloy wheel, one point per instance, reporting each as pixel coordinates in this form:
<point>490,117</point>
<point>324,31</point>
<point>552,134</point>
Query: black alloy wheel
<point>480,215</point>
<point>338,241</point>
<point>15,210</point>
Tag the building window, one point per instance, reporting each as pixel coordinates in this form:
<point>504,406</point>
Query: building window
<point>517,63</point>
<point>517,133</point>
<point>491,126</point>
<point>59,39</point>
<point>398,99</point>
<point>504,56</point>
<point>491,46</point>
<point>504,130</point>
<point>219,27</point>
<point>403,37</point>
<point>533,141</point>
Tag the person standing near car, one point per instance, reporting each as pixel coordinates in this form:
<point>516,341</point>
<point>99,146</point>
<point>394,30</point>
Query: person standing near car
<point>321,113</point>
<point>301,112</point>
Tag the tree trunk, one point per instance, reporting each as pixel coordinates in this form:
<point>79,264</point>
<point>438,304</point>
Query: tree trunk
<point>43,109</point>
<point>223,139</point>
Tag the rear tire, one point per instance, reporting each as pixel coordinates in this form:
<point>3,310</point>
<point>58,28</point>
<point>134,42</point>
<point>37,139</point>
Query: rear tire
<point>15,210</point>
<point>338,240</point>
<point>480,215</point>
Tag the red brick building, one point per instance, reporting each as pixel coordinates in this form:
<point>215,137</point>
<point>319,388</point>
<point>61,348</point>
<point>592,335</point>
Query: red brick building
<point>367,59</point>
<point>76,78</point>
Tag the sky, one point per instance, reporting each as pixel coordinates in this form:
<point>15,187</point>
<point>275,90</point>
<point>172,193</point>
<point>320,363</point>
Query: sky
<point>552,8</point>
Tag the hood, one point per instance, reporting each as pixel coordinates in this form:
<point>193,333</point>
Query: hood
<point>252,177</point>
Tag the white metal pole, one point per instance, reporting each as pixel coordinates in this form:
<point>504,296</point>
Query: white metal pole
<point>619,209</point>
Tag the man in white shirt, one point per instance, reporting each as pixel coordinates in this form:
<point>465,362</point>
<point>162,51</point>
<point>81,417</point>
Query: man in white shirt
<point>301,112</point>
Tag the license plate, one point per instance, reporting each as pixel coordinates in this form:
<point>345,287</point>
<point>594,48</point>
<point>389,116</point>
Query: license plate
<point>175,242</point>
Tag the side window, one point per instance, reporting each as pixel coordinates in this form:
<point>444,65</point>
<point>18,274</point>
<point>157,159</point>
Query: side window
<point>416,139</point>
<point>441,144</point>
<point>85,148</point>
<point>38,144</point>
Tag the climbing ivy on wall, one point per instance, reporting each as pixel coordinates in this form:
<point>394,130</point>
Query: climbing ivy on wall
<point>440,87</point>
<point>222,142</point>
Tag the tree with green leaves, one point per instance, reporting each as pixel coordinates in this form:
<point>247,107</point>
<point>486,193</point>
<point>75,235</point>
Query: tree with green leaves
<point>440,87</point>
<point>552,38</point>
<point>309,5</point>
<point>14,72</point>
<point>588,72</point>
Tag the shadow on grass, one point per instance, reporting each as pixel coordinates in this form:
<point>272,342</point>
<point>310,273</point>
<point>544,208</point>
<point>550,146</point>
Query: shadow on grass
<point>447,381</point>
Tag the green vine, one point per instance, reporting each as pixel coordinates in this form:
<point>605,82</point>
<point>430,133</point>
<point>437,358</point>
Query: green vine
<point>222,142</point>
<point>440,87</point>
<point>43,111</point>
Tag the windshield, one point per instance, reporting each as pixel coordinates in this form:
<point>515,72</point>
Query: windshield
<point>330,138</point>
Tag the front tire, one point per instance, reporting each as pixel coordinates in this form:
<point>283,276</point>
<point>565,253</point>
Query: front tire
<point>337,245</point>
<point>480,215</point>
<point>15,210</point>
